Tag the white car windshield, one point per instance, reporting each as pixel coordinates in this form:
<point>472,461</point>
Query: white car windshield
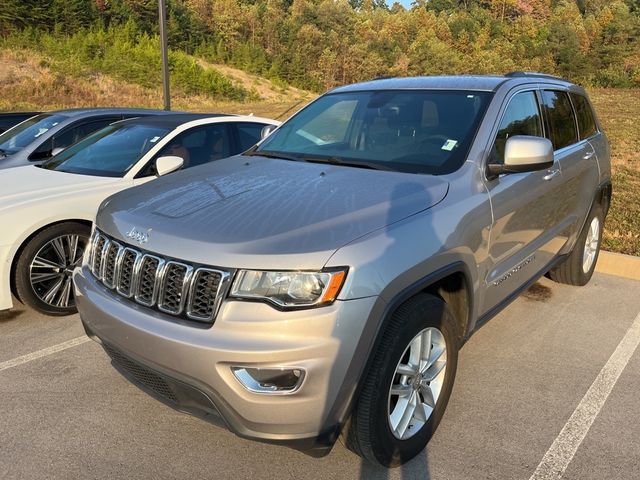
<point>109,152</point>
<point>415,131</point>
<point>20,136</point>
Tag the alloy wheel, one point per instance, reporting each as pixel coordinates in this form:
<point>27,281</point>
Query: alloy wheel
<point>417,383</point>
<point>591,245</point>
<point>51,269</point>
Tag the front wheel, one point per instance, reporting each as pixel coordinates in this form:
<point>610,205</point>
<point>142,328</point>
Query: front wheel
<point>578,267</point>
<point>44,268</point>
<point>408,385</point>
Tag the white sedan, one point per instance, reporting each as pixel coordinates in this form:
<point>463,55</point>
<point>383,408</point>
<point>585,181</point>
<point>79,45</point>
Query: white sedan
<point>46,211</point>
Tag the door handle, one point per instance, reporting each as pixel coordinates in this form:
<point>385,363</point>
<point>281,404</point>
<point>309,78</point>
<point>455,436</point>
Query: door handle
<point>588,155</point>
<point>551,174</point>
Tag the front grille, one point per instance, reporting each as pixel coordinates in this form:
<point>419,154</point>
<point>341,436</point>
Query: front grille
<point>141,374</point>
<point>169,285</point>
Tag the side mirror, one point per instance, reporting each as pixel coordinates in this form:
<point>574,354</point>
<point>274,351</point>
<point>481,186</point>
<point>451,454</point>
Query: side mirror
<point>168,164</point>
<point>56,151</point>
<point>523,153</point>
<point>267,130</point>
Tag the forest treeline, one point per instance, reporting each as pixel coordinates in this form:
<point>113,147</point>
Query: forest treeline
<point>317,44</point>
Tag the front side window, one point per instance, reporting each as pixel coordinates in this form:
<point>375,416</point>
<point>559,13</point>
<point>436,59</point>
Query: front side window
<point>22,135</point>
<point>200,145</point>
<point>521,117</point>
<point>414,131</point>
<point>109,152</point>
<point>249,134</point>
<point>560,117</point>
<point>584,114</point>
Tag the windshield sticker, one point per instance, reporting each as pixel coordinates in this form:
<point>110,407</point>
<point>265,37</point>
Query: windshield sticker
<point>154,139</point>
<point>41,132</point>
<point>449,145</point>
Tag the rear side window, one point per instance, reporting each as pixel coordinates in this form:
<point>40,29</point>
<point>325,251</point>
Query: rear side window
<point>249,134</point>
<point>562,123</point>
<point>521,117</point>
<point>584,114</point>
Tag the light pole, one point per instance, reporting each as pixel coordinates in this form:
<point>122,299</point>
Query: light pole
<point>162,12</point>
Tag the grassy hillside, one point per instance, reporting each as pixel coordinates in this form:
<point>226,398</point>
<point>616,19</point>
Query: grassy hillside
<point>32,81</point>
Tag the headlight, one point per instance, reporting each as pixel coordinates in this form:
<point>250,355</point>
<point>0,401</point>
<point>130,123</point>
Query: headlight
<point>289,289</point>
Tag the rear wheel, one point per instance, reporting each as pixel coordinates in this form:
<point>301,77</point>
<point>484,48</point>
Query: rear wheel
<point>44,268</point>
<point>578,267</point>
<point>408,385</point>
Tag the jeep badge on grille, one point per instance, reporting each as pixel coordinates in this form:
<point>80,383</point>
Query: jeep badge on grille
<point>138,236</point>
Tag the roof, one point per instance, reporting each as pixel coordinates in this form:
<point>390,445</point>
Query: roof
<point>171,120</point>
<point>487,83</point>
<point>82,112</point>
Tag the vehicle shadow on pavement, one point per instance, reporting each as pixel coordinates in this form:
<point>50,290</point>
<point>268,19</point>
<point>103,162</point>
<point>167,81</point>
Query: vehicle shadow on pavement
<point>416,469</point>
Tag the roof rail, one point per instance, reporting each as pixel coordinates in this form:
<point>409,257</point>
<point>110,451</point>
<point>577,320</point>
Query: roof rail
<point>534,74</point>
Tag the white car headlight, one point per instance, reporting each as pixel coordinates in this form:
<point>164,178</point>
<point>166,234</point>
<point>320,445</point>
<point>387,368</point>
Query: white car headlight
<point>289,289</point>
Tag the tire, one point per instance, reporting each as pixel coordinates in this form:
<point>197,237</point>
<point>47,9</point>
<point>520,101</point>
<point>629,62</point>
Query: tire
<point>42,273</point>
<point>577,268</point>
<point>370,432</point>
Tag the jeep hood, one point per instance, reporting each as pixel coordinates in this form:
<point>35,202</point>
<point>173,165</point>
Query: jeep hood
<point>255,212</point>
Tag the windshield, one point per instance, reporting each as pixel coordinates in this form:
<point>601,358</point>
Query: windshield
<point>18,137</point>
<point>109,152</point>
<point>416,131</point>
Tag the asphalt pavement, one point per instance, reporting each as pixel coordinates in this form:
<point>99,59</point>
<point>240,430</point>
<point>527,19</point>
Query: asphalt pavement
<point>547,389</point>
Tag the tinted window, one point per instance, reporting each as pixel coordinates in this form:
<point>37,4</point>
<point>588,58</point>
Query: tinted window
<point>22,135</point>
<point>196,146</point>
<point>521,117</point>
<point>68,137</point>
<point>249,134</point>
<point>560,117</point>
<point>416,131</point>
<point>109,152</point>
<point>584,114</point>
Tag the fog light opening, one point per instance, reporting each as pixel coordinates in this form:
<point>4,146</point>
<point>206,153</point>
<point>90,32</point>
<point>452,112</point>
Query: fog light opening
<point>270,380</point>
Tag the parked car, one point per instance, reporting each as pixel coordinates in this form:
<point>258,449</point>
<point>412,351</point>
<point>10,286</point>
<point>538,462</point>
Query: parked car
<point>10,119</point>
<point>39,138</point>
<point>46,212</point>
<point>325,280</point>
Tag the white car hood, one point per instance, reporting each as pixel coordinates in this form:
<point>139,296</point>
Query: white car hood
<point>29,184</point>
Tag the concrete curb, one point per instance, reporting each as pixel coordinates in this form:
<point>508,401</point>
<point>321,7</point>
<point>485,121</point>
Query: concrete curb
<point>618,264</point>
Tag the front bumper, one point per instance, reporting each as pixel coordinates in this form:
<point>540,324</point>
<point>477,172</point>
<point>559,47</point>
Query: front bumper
<point>191,364</point>
<point>5,278</point>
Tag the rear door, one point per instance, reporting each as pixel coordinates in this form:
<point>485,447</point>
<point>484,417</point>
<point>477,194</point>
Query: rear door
<point>576,156</point>
<point>527,220</point>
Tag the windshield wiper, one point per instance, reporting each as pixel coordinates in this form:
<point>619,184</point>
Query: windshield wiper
<point>346,163</point>
<point>256,153</point>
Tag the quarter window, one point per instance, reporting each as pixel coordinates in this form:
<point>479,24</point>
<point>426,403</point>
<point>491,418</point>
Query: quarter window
<point>521,117</point>
<point>584,114</point>
<point>561,120</point>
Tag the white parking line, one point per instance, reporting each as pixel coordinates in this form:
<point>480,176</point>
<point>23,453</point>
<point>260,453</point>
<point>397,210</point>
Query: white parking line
<point>557,459</point>
<point>42,353</point>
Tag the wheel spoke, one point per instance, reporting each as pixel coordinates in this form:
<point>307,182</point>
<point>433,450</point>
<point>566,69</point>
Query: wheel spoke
<point>406,369</point>
<point>58,247</point>
<point>433,371</point>
<point>43,277</point>
<point>50,294</point>
<point>63,301</point>
<point>72,245</point>
<point>41,262</point>
<point>401,390</point>
<point>422,412</point>
<point>407,414</point>
<point>427,394</point>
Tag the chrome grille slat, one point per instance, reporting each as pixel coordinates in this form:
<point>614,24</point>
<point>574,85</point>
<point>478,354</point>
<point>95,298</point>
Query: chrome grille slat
<point>171,286</point>
<point>146,288</point>
<point>174,287</point>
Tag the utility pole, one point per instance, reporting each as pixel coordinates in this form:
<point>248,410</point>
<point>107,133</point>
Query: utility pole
<point>162,12</point>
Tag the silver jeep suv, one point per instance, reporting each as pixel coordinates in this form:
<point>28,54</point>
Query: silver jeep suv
<point>323,282</point>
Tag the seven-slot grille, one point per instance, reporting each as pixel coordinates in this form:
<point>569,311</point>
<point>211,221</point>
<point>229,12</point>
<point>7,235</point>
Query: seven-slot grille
<point>171,286</point>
